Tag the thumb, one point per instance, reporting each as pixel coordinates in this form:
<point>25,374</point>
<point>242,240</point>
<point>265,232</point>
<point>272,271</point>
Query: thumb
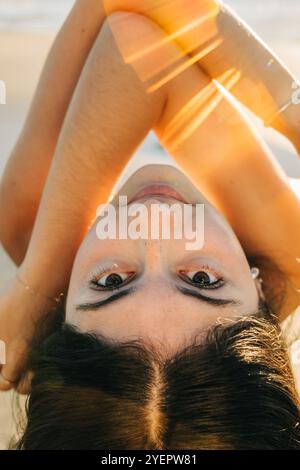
<point>11,371</point>
<point>5,384</point>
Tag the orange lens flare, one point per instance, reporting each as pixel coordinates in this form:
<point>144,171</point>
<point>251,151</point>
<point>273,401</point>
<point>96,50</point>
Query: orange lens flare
<point>188,63</point>
<point>171,37</point>
<point>196,111</point>
<point>190,25</point>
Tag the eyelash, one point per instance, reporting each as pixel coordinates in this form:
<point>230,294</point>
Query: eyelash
<point>206,269</point>
<point>95,279</point>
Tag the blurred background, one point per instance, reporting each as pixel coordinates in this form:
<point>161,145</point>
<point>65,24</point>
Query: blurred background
<point>27,29</point>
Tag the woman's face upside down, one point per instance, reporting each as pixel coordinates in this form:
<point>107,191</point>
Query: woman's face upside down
<point>157,290</point>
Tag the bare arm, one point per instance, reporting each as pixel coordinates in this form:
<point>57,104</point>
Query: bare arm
<point>237,172</point>
<point>26,172</point>
<point>213,140</point>
<point>219,41</point>
<point>109,116</point>
<point>103,127</point>
<point>271,200</point>
<point>192,27</point>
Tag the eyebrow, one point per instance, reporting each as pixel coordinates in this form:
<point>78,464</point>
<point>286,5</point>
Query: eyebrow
<point>184,290</point>
<point>209,300</point>
<point>101,303</point>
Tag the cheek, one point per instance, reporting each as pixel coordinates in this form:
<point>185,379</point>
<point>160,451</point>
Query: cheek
<point>218,234</point>
<point>251,299</point>
<point>219,230</point>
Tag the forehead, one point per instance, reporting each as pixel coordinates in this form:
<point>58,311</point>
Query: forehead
<point>155,313</point>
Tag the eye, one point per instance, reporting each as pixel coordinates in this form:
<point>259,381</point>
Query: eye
<point>204,279</point>
<point>111,281</point>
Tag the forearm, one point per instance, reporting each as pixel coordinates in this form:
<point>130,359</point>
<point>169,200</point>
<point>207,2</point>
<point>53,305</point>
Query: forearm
<point>265,84</point>
<point>26,172</point>
<point>220,42</point>
<point>109,116</point>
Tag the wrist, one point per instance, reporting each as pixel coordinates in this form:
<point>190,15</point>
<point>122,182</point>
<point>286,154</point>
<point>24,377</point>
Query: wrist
<point>39,286</point>
<point>18,299</point>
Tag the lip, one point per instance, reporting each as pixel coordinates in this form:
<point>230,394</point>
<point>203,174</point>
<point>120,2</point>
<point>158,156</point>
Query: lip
<point>158,190</point>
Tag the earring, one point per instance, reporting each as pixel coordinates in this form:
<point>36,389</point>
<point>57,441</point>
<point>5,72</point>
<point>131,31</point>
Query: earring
<point>255,273</point>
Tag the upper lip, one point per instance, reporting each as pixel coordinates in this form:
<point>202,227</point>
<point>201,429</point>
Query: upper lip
<point>157,189</point>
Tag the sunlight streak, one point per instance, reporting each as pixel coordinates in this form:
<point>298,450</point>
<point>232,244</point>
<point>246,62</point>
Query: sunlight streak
<point>188,63</point>
<point>196,111</point>
<point>171,37</point>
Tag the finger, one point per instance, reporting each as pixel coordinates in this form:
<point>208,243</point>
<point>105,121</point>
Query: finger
<point>12,370</point>
<point>5,385</point>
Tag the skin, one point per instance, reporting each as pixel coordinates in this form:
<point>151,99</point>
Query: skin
<point>229,44</point>
<point>170,317</point>
<point>59,211</point>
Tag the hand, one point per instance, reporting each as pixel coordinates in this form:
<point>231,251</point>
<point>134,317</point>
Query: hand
<point>20,311</point>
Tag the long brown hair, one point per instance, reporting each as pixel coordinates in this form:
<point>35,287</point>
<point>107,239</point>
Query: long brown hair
<point>233,390</point>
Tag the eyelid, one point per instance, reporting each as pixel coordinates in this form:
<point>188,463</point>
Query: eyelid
<point>109,266</point>
<point>202,267</point>
<point>216,285</point>
<point>96,287</point>
<point>105,269</point>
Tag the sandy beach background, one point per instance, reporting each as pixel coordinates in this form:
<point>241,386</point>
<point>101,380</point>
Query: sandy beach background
<point>27,29</point>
